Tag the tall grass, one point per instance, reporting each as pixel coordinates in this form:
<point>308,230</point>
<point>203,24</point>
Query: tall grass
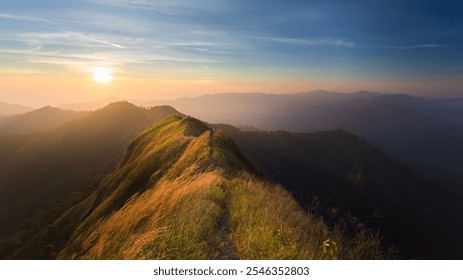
<point>267,223</point>
<point>190,206</point>
<point>175,220</point>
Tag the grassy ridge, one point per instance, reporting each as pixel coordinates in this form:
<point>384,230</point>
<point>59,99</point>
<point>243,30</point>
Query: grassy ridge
<point>267,223</point>
<point>201,199</point>
<point>174,221</point>
<point>183,219</point>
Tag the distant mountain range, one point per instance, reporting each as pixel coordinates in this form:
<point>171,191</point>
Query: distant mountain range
<point>425,133</point>
<point>37,120</point>
<point>452,102</point>
<point>91,106</point>
<point>7,109</point>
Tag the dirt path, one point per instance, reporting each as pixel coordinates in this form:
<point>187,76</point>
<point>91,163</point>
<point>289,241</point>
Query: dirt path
<point>226,247</point>
<point>211,147</point>
<point>224,244</point>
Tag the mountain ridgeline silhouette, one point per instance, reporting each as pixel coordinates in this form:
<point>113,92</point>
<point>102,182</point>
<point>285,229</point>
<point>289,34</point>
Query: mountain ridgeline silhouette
<point>8,109</point>
<point>37,120</point>
<point>422,132</point>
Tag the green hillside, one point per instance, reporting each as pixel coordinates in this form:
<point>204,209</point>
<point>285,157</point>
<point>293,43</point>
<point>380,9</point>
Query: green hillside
<point>183,192</point>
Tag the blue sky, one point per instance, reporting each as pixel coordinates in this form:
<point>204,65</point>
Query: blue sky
<point>236,40</point>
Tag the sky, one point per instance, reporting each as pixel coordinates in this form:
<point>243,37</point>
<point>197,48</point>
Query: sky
<point>55,52</point>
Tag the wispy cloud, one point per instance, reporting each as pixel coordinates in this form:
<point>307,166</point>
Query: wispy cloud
<point>424,46</point>
<point>66,38</point>
<point>24,18</point>
<point>311,42</point>
<point>108,58</point>
<point>103,41</point>
<point>20,71</point>
<point>172,7</point>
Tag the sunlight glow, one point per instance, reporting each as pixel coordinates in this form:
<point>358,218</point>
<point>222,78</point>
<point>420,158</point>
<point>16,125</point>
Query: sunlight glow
<point>102,75</point>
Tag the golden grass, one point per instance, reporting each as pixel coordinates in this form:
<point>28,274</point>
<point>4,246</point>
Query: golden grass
<point>193,207</point>
<point>267,223</point>
<point>172,220</point>
<point>179,219</point>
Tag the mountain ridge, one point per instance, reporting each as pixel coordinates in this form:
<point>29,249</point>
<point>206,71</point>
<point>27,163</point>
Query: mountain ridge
<point>63,159</point>
<point>8,109</point>
<point>37,120</point>
<point>389,121</point>
<point>183,191</point>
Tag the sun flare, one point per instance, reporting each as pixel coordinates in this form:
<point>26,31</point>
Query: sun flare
<point>102,75</point>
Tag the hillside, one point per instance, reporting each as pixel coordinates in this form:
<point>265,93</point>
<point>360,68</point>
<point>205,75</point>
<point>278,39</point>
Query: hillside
<point>7,109</point>
<point>39,172</point>
<point>182,192</point>
<point>453,102</point>
<point>350,175</point>
<point>424,133</point>
<point>37,120</point>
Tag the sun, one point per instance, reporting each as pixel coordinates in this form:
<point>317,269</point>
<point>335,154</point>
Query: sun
<point>102,75</point>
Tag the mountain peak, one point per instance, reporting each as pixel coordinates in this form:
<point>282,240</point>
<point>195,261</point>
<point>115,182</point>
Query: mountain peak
<point>193,127</point>
<point>38,120</point>
<point>196,145</point>
<point>119,104</point>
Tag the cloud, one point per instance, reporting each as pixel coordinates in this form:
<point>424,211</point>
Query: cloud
<point>311,42</point>
<point>424,46</point>
<point>24,18</point>
<point>172,7</point>
<point>108,58</point>
<point>103,42</point>
<point>20,71</point>
<point>64,38</point>
<point>78,49</point>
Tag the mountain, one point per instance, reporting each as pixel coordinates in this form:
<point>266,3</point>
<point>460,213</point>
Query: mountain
<point>40,171</point>
<point>256,109</point>
<point>37,120</point>
<point>431,108</point>
<point>421,132</point>
<point>347,174</point>
<point>184,192</point>
<point>452,102</point>
<point>7,109</point>
<point>90,106</point>
<point>95,105</point>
